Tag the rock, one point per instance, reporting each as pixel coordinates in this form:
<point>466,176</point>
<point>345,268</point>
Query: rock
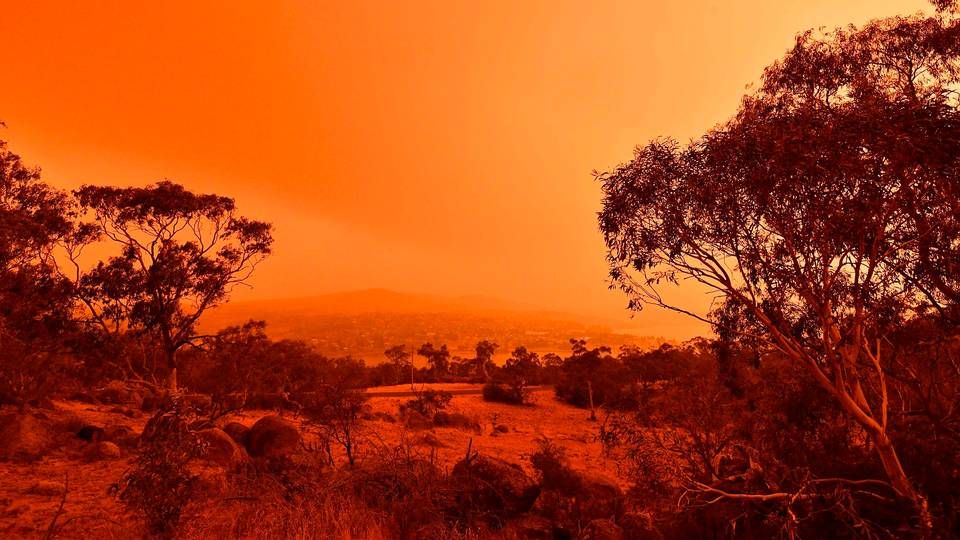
<point>500,428</point>
<point>495,485</point>
<point>602,529</point>
<point>238,432</point>
<point>25,437</point>
<point>272,436</point>
<point>220,448</point>
<point>46,488</point>
<point>101,450</point>
<point>639,526</point>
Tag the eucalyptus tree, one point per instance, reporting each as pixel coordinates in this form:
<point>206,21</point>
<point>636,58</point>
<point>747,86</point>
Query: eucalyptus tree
<point>822,216</point>
<point>177,255</point>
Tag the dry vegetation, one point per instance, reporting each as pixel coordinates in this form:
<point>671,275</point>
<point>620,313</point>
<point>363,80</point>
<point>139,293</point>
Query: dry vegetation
<point>823,217</point>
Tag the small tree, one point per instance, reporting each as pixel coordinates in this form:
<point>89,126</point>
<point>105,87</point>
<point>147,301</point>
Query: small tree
<point>485,350</point>
<point>180,254</point>
<point>401,360</point>
<point>336,403</point>
<point>437,359</point>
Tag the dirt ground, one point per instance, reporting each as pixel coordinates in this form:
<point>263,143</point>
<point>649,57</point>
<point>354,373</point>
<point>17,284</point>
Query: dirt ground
<point>31,493</point>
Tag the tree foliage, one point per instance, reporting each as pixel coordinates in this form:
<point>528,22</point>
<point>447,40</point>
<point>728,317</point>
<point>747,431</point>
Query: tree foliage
<point>824,213</point>
<point>180,254</point>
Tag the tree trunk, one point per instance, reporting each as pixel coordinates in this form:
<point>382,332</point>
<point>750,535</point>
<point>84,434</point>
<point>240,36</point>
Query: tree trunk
<point>172,381</point>
<point>899,479</point>
<point>172,377</point>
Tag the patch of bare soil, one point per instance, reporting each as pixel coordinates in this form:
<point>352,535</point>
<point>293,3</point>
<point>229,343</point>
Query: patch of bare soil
<point>31,492</point>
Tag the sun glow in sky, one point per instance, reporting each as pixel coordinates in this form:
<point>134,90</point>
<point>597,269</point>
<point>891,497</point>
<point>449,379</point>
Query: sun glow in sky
<point>442,147</point>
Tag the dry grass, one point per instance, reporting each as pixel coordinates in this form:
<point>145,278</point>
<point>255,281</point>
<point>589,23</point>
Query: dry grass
<point>30,494</point>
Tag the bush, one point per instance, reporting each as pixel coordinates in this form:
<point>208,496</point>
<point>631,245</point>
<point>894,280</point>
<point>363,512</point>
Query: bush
<point>160,485</point>
<point>428,402</point>
<point>550,462</point>
<point>456,420</point>
<point>501,393</point>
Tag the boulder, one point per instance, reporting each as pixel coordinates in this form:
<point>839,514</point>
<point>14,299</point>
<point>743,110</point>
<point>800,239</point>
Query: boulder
<point>237,431</point>
<point>495,486</point>
<point>101,450</point>
<point>602,529</point>
<point>272,436</point>
<point>220,448</point>
<point>25,437</point>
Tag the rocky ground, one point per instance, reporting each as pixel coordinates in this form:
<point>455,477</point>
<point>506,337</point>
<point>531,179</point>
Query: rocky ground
<point>50,457</point>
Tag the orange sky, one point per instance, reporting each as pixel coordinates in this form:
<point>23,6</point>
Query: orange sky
<point>442,147</point>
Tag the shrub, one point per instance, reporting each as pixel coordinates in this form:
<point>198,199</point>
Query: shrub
<point>456,420</point>
<point>501,393</point>
<point>428,402</point>
<point>550,462</point>
<point>159,485</point>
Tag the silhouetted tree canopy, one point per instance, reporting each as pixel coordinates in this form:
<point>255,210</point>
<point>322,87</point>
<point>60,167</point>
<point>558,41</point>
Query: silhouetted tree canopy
<point>35,302</point>
<point>824,213</point>
<point>180,253</point>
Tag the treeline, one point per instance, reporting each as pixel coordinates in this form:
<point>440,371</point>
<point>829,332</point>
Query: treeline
<point>109,283</point>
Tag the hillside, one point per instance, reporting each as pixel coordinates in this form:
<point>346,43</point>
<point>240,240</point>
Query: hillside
<point>364,323</point>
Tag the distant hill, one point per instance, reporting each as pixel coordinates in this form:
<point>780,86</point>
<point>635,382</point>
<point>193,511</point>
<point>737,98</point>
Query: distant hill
<point>364,323</point>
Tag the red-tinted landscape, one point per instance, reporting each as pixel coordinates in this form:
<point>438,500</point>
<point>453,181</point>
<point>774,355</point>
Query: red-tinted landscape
<point>321,270</point>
